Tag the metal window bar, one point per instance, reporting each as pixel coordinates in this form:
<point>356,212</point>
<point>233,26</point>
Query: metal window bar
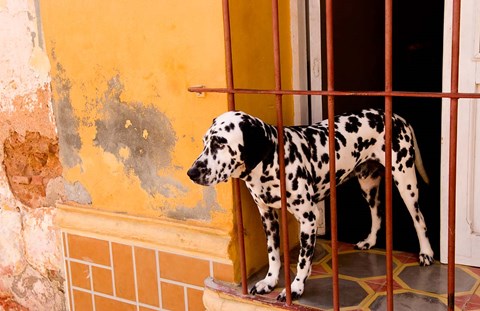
<point>281,150</point>
<point>388,154</point>
<point>331,152</point>
<point>452,171</point>
<point>388,94</point>
<point>231,106</point>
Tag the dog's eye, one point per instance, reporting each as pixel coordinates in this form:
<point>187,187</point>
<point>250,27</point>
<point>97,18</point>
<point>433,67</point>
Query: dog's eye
<point>217,143</point>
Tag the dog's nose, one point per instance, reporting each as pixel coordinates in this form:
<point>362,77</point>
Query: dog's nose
<point>193,173</point>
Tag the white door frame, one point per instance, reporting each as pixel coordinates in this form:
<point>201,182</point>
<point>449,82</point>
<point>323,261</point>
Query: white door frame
<point>299,64</point>
<point>468,148</point>
<point>299,58</point>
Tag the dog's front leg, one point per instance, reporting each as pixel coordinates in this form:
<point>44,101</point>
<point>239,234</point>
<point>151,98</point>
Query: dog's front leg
<point>272,233</point>
<point>308,237</point>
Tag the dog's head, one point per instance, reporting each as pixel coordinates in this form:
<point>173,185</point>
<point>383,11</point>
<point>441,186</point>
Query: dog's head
<point>234,144</point>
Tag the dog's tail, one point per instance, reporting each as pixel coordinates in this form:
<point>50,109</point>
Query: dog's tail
<point>418,159</point>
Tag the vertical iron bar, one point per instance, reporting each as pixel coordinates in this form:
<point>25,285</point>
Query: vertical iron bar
<point>452,169</point>
<point>388,153</point>
<point>231,106</point>
<point>281,150</point>
<point>332,154</point>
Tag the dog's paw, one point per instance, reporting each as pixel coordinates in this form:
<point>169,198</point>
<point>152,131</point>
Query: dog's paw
<point>262,287</point>
<point>425,260</point>
<point>363,245</point>
<point>283,296</point>
<point>296,289</point>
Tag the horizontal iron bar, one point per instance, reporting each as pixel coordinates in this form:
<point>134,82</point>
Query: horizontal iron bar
<point>335,93</point>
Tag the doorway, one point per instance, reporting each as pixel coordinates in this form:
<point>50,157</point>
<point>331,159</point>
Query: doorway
<point>359,66</point>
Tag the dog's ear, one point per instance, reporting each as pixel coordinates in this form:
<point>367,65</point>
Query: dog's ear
<point>256,145</point>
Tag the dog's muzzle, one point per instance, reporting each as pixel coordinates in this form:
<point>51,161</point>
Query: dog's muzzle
<point>194,174</point>
<point>198,172</point>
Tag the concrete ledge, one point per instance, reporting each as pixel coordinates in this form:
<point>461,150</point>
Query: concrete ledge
<point>191,240</point>
<point>218,301</point>
<point>220,296</point>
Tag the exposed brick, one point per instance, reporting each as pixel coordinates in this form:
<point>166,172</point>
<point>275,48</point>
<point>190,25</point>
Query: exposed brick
<point>30,162</point>
<point>9,304</point>
<point>23,180</point>
<point>37,180</point>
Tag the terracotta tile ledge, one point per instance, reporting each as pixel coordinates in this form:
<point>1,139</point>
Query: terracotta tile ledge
<point>150,232</point>
<point>220,296</point>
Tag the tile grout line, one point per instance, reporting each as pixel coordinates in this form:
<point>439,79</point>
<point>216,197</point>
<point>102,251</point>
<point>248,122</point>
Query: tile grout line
<point>114,287</point>
<point>160,303</point>
<point>185,298</point>
<point>119,299</point>
<point>89,263</point>
<point>69,283</point>
<point>90,275</point>
<point>135,282</point>
<point>65,267</point>
<point>186,285</point>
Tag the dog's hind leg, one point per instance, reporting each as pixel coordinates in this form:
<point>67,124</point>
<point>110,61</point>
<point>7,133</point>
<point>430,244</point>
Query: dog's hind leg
<point>370,184</point>
<point>272,233</point>
<point>406,182</point>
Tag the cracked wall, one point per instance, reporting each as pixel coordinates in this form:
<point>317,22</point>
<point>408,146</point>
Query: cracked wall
<point>128,128</point>
<point>31,276</point>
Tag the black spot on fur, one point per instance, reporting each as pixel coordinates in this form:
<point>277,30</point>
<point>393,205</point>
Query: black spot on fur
<point>352,125</point>
<point>375,120</point>
<point>256,145</point>
<point>310,216</point>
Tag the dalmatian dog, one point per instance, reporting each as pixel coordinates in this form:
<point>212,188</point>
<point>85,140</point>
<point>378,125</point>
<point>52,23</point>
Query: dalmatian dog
<point>241,146</point>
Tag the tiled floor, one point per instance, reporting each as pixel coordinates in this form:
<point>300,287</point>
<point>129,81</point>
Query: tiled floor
<point>362,282</point>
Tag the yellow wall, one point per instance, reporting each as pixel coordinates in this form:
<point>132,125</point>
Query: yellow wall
<point>252,49</point>
<point>128,127</point>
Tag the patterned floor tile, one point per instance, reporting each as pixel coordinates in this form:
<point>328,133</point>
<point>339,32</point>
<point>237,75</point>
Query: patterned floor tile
<point>351,293</point>
<point>362,282</point>
<point>409,301</point>
<point>433,279</point>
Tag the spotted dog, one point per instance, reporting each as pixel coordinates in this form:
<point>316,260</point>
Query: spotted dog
<point>241,146</point>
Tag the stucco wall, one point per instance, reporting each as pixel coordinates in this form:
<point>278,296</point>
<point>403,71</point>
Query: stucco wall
<point>31,275</point>
<point>127,125</point>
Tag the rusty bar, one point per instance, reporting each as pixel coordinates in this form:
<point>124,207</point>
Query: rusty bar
<point>332,153</point>
<point>336,93</point>
<point>228,54</point>
<point>452,169</point>
<point>231,106</point>
<point>388,154</point>
<point>281,150</point>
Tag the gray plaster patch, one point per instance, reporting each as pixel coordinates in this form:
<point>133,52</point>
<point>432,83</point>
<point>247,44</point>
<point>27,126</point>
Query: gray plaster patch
<point>140,136</point>
<point>203,209</point>
<point>67,124</point>
<point>76,192</point>
<point>60,190</point>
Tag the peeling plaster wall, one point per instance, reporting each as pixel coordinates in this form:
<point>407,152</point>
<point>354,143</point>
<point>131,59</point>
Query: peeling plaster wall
<point>127,126</point>
<point>31,276</point>
<point>128,129</point>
